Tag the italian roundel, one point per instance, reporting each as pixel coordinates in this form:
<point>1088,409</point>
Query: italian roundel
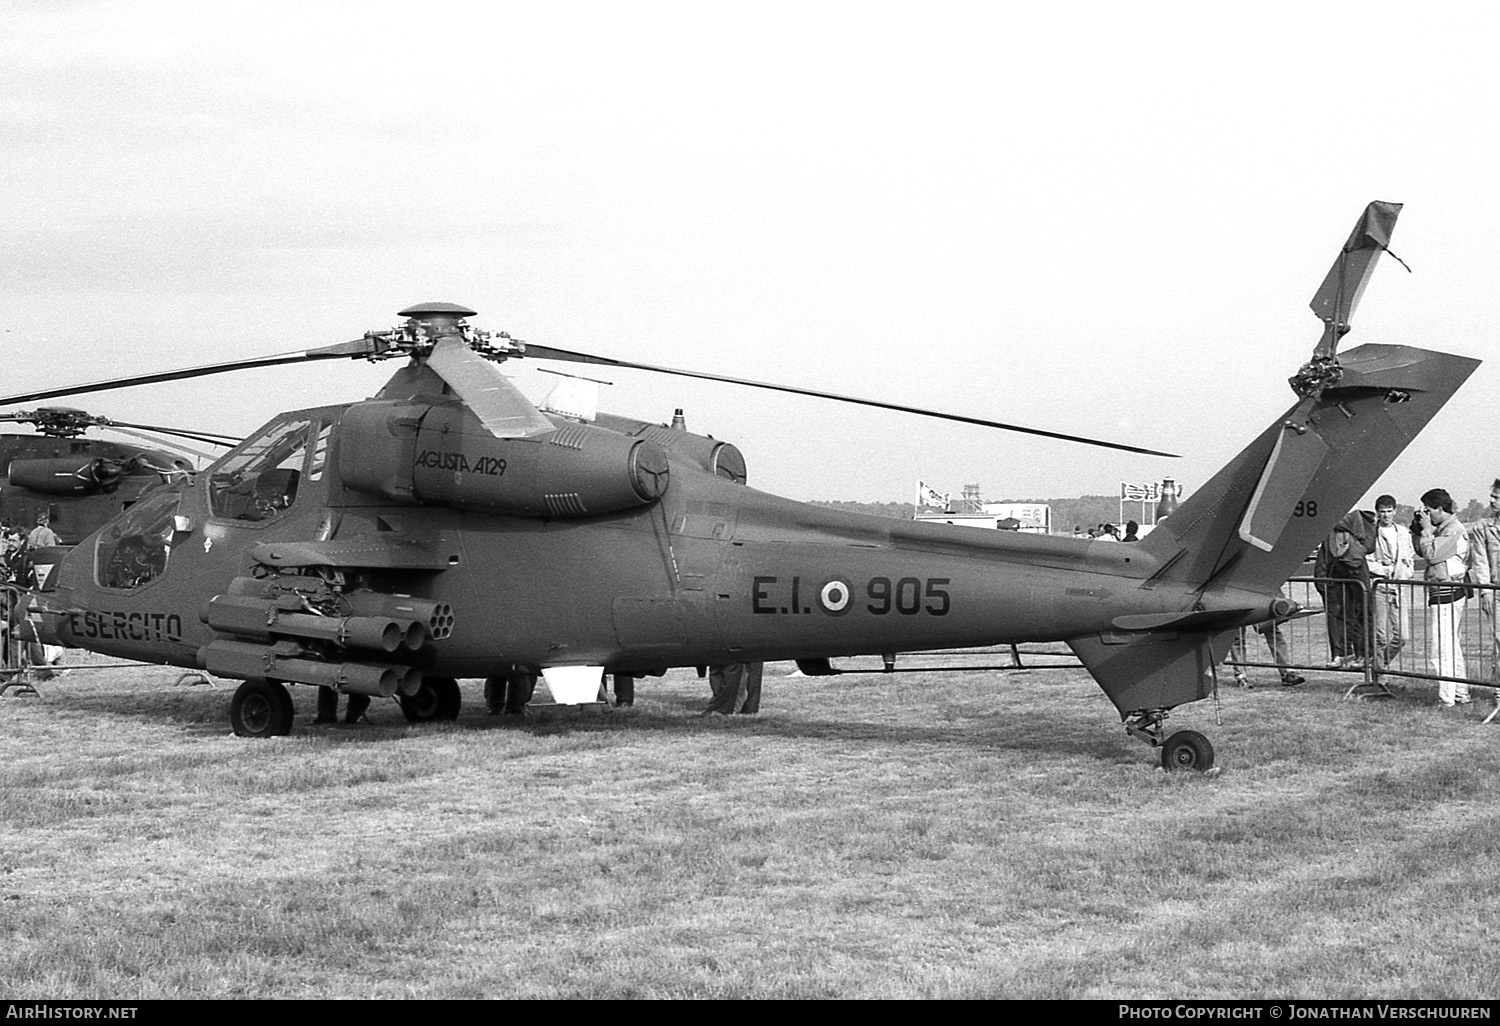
<point>834,598</point>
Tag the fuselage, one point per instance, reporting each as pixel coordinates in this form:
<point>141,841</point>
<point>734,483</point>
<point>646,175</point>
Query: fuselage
<point>713,571</point>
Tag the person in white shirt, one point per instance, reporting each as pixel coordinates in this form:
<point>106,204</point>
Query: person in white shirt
<point>1393,559</point>
<point>42,535</point>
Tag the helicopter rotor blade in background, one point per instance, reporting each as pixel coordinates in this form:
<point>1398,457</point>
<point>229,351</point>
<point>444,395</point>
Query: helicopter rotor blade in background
<point>500,406</point>
<point>65,422</point>
<point>207,437</point>
<point>172,447</point>
<point>571,356</point>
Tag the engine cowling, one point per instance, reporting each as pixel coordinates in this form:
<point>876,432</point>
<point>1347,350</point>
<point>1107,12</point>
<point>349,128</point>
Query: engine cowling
<point>722,459</point>
<point>440,455</point>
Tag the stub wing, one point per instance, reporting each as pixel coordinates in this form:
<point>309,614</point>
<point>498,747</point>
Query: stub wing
<point>382,552</point>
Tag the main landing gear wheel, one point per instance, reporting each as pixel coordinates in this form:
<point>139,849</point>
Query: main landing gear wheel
<point>1187,750</point>
<point>437,699</point>
<point>261,708</point>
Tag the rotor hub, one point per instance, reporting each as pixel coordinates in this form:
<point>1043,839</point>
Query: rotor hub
<point>432,321</point>
<point>428,323</point>
<point>58,421</point>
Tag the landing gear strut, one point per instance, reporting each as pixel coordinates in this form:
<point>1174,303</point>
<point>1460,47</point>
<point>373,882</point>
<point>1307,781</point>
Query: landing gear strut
<point>1184,749</point>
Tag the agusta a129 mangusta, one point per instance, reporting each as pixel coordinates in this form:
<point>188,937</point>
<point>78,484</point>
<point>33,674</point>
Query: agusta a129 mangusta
<point>449,528</point>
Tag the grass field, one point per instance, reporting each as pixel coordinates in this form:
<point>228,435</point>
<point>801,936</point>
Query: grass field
<point>989,834</point>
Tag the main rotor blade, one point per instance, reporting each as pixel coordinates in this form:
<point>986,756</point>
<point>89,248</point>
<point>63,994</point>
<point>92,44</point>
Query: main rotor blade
<point>552,353</point>
<point>500,406</point>
<point>347,350</point>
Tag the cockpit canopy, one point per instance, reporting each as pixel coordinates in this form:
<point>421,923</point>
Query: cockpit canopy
<point>258,480</point>
<point>133,550</point>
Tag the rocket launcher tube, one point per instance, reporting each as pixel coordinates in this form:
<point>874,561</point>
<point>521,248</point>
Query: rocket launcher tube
<point>262,620</point>
<point>247,660</point>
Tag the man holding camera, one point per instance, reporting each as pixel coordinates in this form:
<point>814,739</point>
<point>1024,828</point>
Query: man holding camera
<point>1444,543</point>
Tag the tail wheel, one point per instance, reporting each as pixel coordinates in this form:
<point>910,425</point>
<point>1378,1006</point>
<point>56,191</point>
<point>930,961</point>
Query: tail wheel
<point>261,708</point>
<point>437,699</point>
<point>1187,750</point>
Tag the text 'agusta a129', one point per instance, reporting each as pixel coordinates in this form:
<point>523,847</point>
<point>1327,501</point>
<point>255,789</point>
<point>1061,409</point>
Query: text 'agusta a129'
<point>449,528</point>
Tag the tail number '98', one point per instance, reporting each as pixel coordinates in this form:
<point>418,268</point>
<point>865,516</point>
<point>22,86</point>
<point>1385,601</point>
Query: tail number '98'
<point>906,596</point>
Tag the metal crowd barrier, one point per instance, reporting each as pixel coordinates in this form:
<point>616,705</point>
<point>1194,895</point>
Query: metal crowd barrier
<point>1382,629</point>
<point>15,665</point>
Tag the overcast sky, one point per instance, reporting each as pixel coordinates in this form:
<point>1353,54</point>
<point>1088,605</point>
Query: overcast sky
<point>1104,219</point>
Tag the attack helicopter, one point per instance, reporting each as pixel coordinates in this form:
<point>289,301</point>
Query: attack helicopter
<point>81,483</point>
<point>450,528</point>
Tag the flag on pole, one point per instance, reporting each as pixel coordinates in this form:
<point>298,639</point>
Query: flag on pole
<point>930,497</point>
<point>1138,493</point>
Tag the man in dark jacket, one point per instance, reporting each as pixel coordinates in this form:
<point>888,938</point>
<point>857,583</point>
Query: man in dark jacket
<point>1344,580</point>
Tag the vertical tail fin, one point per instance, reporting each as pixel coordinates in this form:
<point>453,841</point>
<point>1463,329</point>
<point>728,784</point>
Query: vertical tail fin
<point>1251,526</point>
<point>1256,520</point>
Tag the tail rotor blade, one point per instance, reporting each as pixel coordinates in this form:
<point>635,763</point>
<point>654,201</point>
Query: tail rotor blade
<point>1338,297</point>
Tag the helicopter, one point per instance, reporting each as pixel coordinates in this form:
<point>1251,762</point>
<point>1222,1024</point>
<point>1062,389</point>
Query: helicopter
<point>81,483</point>
<point>450,528</point>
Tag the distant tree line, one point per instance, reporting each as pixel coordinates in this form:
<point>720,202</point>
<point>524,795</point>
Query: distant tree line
<point>1092,510</point>
<point>1088,511</point>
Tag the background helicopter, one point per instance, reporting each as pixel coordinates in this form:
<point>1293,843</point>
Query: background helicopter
<point>450,528</point>
<point>81,483</point>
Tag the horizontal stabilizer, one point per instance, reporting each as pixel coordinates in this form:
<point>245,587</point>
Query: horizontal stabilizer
<point>1191,621</point>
